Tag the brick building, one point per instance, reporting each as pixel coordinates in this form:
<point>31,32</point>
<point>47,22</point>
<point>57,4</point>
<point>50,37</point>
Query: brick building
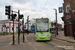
<point>69,17</point>
<point>59,26</point>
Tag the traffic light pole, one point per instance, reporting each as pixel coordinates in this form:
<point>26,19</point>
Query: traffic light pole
<point>13,29</point>
<point>23,29</point>
<point>18,28</point>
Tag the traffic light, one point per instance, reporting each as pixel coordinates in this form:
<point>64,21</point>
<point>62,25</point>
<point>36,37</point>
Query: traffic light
<point>20,16</point>
<point>13,16</point>
<point>7,11</point>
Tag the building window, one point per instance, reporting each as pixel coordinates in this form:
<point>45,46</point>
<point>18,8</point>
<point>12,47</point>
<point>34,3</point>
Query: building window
<point>68,8</point>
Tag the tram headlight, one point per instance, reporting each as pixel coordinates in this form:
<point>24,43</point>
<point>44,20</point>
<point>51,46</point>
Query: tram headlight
<point>36,35</point>
<point>48,35</point>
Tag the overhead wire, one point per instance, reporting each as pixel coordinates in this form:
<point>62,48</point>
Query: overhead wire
<point>40,8</point>
<point>45,4</point>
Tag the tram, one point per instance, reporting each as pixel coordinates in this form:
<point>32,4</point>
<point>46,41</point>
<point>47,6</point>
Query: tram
<point>42,29</point>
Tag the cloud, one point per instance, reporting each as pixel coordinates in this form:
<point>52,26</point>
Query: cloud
<point>16,1</point>
<point>6,1</point>
<point>34,8</point>
<point>1,9</point>
<point>22,1</point>
<point>24,7</point>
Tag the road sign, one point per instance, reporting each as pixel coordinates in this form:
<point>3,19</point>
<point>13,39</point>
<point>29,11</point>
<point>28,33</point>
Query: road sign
<point>60,9</point>
<point>24,26</point>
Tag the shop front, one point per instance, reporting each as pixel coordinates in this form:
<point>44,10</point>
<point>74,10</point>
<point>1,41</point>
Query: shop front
<point>69,24</point>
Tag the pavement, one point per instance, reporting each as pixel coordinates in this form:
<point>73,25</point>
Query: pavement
<point>61,36</point>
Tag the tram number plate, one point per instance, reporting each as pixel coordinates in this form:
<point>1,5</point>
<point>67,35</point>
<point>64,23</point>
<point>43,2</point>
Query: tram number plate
<point>42,34</point>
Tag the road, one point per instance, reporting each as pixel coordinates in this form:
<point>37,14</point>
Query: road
<point>31,44</point>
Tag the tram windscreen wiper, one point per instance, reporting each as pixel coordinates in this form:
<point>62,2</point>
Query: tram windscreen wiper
<point>40,30</point>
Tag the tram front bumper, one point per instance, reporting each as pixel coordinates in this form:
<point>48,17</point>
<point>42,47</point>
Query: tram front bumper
<point>42,38</point>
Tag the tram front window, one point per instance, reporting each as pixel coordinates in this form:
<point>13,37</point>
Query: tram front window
<point>42,25</point>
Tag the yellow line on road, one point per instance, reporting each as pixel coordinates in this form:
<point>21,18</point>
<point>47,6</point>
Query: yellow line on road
<point>25,38</point>
<point>32,35</point>
<point>20,37</point>
<point>11,42</point>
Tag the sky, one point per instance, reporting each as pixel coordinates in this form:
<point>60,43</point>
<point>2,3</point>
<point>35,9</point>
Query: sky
<point>33,8</point>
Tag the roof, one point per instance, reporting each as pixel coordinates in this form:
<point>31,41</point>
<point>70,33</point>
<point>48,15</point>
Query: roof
<point>4,21</point>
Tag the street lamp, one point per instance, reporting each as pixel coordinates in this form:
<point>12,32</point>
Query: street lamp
<point>56,21</point>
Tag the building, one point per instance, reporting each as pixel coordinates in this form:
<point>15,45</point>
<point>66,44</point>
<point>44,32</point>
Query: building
<point>9,26</point>
<point>31,22</point>
<point>53,24</point>
<point>69,17</point>
<point>59,26</point>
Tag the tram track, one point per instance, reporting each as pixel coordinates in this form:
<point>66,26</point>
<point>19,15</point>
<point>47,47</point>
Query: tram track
<point>57,42</point>
<point>53,45</point>
<point>61,44</point>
